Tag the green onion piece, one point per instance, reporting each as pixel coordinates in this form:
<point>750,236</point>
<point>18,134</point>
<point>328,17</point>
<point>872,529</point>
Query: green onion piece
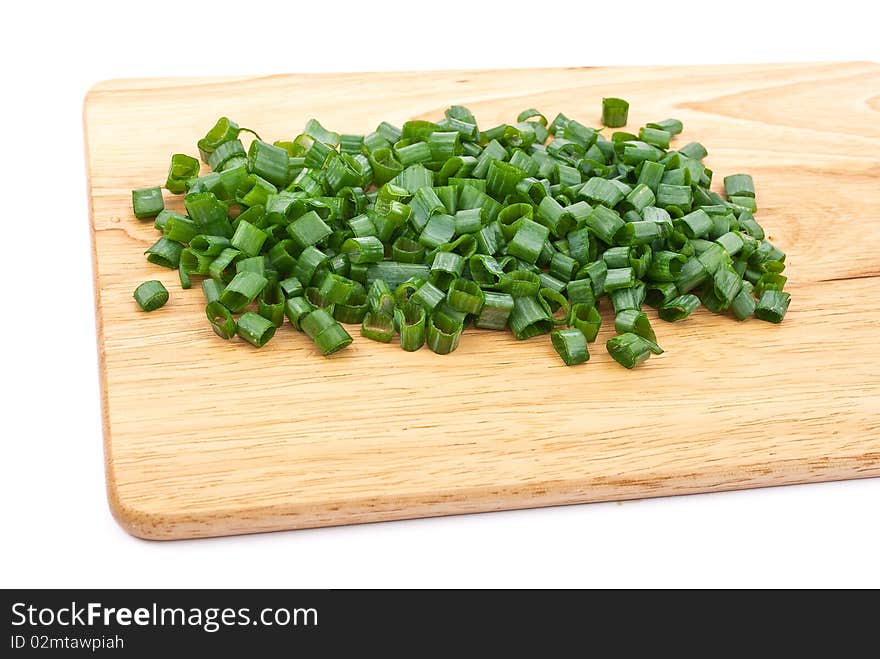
<point>329,336</point>
<point>598,190</point>
<point>655,136</point>
<point>658,294</point>
<point>254,329</point>
<point>212,289</point>
<point>242,290</point>
<point>529,318</point>
<point>165,252</point>
<point>627,298</point>
<point>443,333</point>
<point>619,278</point>
<point>446,267</point>
<point>151,295</point>
<point>636,322</point>
<point>694,150</point>
<point>380,298</point>
<point>726,285</point>
<point>605,223</point>
<point>496,310</point>
<point>679,308</point>
<point>378,326</point>
<point>193,262</point>
<point>570,345</point>
<point>336,289</point>
<point>673,126</point>
<point>248,238</point>
<point>614,112</point>
<point>182,168</point>
<point>556,304</point>
<point>231,150</point>
<point>665,266</point>
<point>520,283</point>
<point>739,185</point>
<point>744,304</point>
<point>308,230</point>
<point>769,281</point>
<point>367,249</point>
<point>629,350</point>
<point>410,320</point>
<point>147,202</point>
<point>638,233</point>
<point>221,319</point>
<point>296,308</point>
<point>772,306</point>
<point>180,228</point>
<point>466,296</point>
<point>528,241</point>
<point>693,273</point>
<point>428,296</point>
<point>220,266</point>
<point>586,319</point>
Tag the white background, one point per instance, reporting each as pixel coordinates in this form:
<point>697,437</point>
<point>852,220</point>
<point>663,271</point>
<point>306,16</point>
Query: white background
<point>57,530</point>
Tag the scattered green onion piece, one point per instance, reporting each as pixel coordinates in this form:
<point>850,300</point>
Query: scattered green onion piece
<point>465,295</point>
<point>496,310</point>
<point>586,319</point>
<point>529,318</point>
<point>378,326</point>
<point>636,322</point>
<point>296,308</point>
<point>165,252</point>
<point>182,168</point>
<point>329,336</point>
<point>211,288</point>
<point>255,329</point>
<point>410,319</point>
<point>242,290</point>
<point>367,249</point>
<point>629,350</point>
<point>679,308</point>
<point>614,112</point>
<point>151,295</point>
<point>570,345</point>
<point>221,319</point>
<point>772,306</point>
<point>744,304</point>
<point>443,333</point>
<point>147,202</point>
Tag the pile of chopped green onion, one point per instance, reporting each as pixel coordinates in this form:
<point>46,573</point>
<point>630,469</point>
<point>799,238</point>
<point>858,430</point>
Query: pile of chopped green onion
<point>422,230</point>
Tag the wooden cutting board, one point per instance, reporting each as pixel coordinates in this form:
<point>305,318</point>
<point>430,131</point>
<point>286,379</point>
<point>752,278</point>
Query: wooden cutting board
<point>205,437</point>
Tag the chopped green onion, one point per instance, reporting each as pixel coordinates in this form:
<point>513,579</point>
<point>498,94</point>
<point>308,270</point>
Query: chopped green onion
<point>255,329</point>
<point>614,112</point>
<point>443,334</point>
<point>410,320</point>
<point>151,295</point>
<point>147,202</point>
<point>679,308</point>
<point>772,306</point>
<point>221,319</point>
<point>378,326</point>
<point>419,230</point>
<point>629,350</point>
<point>570,345</point>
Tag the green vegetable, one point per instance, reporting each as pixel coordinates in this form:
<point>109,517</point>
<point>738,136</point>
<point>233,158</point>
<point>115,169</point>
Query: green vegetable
<point>147,202</point>
<point>614,112</point>
<point>571,345</point>
<point>151,295</point>
<point>424,229</point>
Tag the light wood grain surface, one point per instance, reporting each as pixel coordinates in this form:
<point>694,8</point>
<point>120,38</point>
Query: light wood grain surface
<point>205,437</point>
